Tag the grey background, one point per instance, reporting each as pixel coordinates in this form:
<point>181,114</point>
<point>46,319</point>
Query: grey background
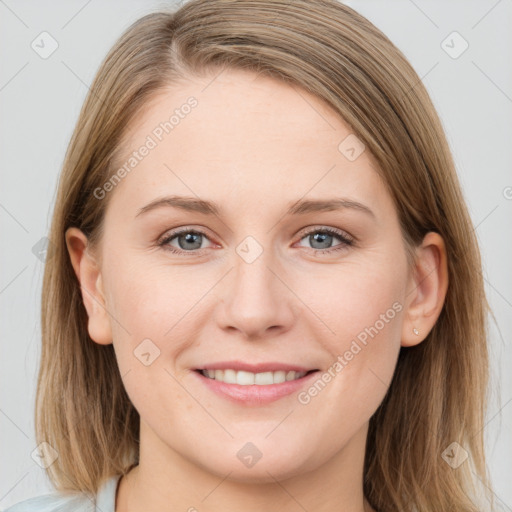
<point>39,103</point>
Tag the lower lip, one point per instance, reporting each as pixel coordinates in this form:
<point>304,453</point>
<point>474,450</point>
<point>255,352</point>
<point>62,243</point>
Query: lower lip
<point>255,394</point>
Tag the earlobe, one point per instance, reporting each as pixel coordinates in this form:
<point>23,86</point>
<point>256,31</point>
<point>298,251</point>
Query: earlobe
<point>427,290</point>
<point>91,285</point>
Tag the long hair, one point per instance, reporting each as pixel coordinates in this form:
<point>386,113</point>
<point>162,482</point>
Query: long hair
<point>438,393</point>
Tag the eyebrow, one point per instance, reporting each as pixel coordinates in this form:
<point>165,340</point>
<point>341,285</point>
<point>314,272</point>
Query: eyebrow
<point>300,207</point>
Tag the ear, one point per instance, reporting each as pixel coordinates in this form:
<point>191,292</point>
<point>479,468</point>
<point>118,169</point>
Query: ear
<point>426,290</point>
<point>88,273</point>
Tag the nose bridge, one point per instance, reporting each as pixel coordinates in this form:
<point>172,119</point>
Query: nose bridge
<point>255,298</point>
<point>252,273</point>
<point>254,282</point>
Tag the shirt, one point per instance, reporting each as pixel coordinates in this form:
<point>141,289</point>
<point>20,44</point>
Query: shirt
<point>105,501</point>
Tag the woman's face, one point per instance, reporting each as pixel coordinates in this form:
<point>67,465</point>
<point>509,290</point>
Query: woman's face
<point>254,283</point>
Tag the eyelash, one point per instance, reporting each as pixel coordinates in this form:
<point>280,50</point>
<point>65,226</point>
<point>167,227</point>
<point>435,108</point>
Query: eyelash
<point>346,241</point>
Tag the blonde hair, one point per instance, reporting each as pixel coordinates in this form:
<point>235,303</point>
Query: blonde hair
<point>438,392</point>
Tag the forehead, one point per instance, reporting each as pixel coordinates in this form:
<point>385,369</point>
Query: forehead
<point>241,135</point>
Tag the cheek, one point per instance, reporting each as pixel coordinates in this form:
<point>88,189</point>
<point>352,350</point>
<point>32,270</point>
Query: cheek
<point>374,296</point>
<point>154,308</point>
<point>145,295</point>
<point>152,327</point>
<point>364,309</point>
<point>352,299</point>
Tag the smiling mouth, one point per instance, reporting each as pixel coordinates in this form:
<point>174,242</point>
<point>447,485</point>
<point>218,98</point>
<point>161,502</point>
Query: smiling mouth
<point>243,378</point>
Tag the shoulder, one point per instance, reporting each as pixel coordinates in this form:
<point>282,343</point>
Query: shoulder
<point>55,502</point>
<point>72,501</point>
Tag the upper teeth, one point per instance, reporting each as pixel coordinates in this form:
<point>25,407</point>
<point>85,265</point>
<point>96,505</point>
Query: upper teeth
<point>248,378</point>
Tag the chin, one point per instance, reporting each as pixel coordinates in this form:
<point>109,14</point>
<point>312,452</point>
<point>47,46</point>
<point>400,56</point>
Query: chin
<point>264,471</point>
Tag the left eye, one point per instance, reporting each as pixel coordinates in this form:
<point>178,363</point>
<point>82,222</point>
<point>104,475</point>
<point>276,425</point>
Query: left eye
<point>191,240</point>
<point>326,236</point>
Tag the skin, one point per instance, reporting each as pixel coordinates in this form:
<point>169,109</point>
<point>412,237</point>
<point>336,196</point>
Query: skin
<point>254,146</point>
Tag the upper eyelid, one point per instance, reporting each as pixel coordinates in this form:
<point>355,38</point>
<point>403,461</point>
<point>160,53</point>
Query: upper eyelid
<point>333,230</point>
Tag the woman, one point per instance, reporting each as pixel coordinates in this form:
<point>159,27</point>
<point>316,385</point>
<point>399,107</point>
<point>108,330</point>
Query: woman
<point>322,342</point>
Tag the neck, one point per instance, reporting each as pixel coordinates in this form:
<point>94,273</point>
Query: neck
<point>166,481</point>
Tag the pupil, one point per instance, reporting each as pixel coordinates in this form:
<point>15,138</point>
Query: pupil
<point>189,238</point>
<point>323,237</point>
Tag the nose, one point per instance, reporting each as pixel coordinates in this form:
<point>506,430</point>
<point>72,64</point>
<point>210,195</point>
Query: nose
<point>255,299</point>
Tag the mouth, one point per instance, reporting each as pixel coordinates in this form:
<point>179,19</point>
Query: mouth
<point>245,378</point>
<point>249,389</point>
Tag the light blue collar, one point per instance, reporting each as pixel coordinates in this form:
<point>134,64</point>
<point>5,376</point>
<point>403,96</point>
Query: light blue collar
<point>106,497</point>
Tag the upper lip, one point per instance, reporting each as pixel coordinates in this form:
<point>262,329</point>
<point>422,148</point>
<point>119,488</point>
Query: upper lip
<point>255,368</point>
